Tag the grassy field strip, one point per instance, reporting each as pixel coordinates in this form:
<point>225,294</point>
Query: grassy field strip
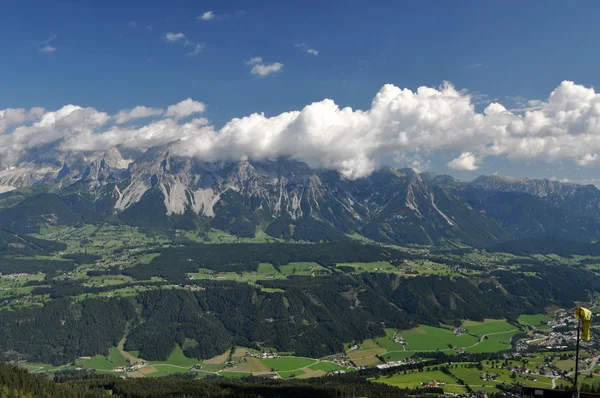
<point>491,334</point>
<point>36,369</point>
<point>316,367</point>
<point>156,365</point>
<point>289,363</point>
<point>121,347</point>
<point>443,347</point>
<point>537,321</point>
<point>481,340</point>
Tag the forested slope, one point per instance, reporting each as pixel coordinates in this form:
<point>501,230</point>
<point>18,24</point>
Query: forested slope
<point>311,316</point>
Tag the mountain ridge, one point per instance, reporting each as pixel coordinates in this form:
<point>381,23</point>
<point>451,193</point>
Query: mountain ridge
<point>289,200</point>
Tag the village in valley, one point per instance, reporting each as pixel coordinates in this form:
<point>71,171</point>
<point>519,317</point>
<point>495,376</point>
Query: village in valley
<point>542,354</point>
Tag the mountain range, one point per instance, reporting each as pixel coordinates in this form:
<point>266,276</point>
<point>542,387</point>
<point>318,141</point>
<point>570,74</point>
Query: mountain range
<point>287,199</point>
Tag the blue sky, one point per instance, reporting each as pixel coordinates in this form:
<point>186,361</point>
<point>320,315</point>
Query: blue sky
<point>112,55</point>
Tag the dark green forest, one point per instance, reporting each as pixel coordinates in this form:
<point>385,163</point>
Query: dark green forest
<point>312,316</point>
<point>546,245</point>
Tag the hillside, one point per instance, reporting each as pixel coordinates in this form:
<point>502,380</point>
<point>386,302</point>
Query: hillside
<point>332,304</point>
<point>12,244</point>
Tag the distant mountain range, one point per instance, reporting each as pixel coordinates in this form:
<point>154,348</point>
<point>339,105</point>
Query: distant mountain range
<point>287,199</point>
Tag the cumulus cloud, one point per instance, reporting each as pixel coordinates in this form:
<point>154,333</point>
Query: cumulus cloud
<point>261,69</point>
<point>307,49</point>
<point>207,16</point>
<point>69,122</point>
<point>12,116</point>
<point>402,124</point>
<point>138,112</point>
<point>173,37</point>
<point>185,108</point>
<point>465,162</point>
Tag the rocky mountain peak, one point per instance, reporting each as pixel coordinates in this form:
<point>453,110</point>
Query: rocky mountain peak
<point>288,199</point>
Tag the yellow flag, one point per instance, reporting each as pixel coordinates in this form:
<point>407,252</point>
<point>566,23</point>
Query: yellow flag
<point>585,316</point>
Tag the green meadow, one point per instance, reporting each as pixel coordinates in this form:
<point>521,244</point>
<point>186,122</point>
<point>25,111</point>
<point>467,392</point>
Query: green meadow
<point>288,363</point>
<point>538,321</point>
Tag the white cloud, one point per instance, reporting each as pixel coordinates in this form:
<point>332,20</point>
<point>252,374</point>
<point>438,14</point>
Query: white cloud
<point>185,108</point>
<point>254,60</point>
<point>197,49</point>
<point>68,123</point>
<point>132,24</point>
<point>47,47</point>
<point>207,16</point>
<point>12,116</point>
<point>478,65</point>
<point>173,37</point>
<point>211,16</point>
<point>589,181</point>
<point>465,162</point>
<point>265,70</point>
<point>258,68</point>
<point>589,160</point>
<point>308,50</point>
<point>412,126</point>
<point>136,113</point>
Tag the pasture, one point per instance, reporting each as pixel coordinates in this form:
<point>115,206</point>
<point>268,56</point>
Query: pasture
<point>379,266</point>
<point>288,363</point>
<point>292,373</point>
<point>538,321</point>
<point>326,366</point>
<point>429,338</point>
<point>397,355</point>
<point>488,326</point>
<point>101,362</point>
<point>494,342</point>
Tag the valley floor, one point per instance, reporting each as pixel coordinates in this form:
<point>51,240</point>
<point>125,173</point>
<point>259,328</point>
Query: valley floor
<point>98,257</point>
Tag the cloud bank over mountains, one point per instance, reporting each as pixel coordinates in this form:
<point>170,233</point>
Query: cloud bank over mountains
<point>400,124</point>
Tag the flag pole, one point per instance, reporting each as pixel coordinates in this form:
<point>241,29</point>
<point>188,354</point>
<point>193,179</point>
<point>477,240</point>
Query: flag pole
<point>577,355</point>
